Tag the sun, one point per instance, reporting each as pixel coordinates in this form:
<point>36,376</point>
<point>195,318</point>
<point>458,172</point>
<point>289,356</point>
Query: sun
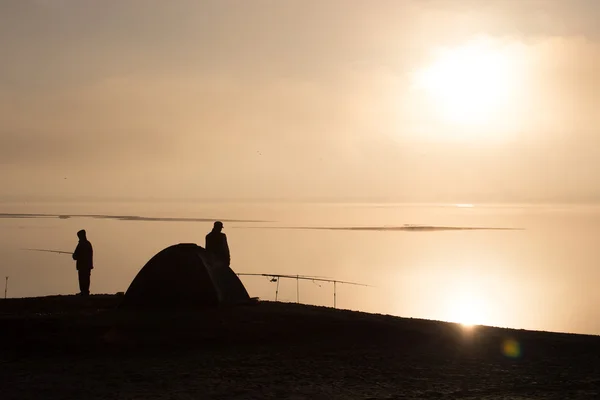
<point>466,309</point>
<point>472,84</point>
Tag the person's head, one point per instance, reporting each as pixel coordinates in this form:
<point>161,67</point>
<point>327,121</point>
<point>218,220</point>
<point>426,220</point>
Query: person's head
<point>81,234</point>
<point>218,226</point>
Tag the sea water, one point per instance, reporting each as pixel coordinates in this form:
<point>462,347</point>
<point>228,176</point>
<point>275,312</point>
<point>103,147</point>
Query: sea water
<point>542,273</point>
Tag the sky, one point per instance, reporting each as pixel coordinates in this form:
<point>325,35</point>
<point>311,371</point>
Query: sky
<point>424,100</point>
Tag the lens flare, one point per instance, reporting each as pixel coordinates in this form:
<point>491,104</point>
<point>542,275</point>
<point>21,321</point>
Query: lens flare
<point>511,348</point>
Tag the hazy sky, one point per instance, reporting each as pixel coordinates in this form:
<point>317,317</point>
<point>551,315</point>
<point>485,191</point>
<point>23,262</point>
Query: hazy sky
<point>302,98</point>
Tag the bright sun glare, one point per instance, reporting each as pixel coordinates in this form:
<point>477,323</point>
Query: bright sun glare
<point>470,85</point>
<point>467,311</point>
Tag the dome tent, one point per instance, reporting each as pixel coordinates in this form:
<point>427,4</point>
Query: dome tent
<point>184,275</point>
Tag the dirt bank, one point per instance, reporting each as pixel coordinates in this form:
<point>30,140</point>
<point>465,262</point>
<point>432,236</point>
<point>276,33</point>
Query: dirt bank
<point>66,347</point>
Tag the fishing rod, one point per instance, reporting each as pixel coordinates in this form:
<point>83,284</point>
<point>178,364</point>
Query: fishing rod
<point>276,277</point>
<point>50,251</point>
<point>44,250</point>
<point>309,277</point>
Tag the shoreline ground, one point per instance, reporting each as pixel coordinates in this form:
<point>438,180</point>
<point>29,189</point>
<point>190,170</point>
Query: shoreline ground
<point>67,347</point>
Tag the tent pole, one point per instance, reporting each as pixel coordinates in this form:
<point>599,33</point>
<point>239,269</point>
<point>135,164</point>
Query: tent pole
<point>297,288</point>
<point>5,287</point>
<point>277,289</point>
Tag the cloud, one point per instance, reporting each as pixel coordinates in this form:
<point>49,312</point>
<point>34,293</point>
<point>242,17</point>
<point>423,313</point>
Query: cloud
<point>262,99</point>
<point>524,20</point>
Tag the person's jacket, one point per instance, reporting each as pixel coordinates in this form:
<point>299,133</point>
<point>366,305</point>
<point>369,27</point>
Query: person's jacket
<point>216,243</point>
<point>84,255</point>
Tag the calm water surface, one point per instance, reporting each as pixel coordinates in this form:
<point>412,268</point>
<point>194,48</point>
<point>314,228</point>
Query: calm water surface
<point>543,276</point>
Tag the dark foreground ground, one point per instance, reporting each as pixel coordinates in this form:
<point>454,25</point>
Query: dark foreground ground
<point>68,347</point>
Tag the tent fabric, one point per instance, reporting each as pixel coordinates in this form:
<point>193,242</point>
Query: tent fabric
<point>184,275</point>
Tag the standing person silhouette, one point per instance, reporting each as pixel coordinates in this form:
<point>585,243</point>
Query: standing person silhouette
<point>216,244</point>
<point>84,257</point>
